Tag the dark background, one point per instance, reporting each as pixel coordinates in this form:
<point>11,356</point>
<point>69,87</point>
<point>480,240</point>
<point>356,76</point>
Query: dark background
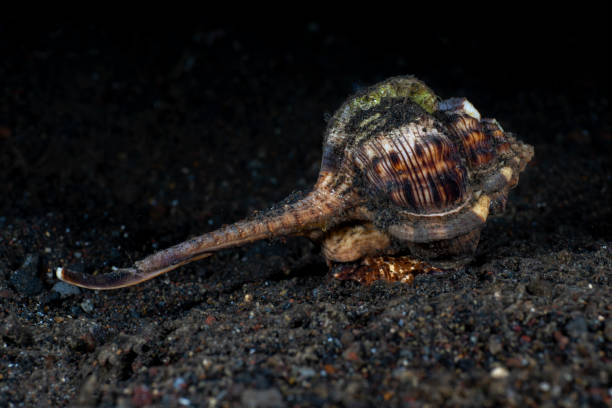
<point>123,137</point>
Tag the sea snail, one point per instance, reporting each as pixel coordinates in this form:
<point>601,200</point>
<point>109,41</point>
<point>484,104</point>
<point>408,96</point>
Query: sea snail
<point>407,182</point>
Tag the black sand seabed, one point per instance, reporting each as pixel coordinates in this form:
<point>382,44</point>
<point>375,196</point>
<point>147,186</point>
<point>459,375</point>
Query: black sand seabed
<point>115,142</point>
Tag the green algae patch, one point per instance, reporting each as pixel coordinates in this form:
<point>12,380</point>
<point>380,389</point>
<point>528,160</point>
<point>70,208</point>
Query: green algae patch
<point>398,87</point>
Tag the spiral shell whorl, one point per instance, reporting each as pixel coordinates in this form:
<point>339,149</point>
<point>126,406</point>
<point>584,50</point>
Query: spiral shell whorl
<point>364,108</point>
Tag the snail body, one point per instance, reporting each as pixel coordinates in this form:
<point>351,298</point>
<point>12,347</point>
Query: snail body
<point>403,174</point>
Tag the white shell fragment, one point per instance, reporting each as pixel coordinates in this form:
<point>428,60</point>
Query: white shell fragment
<point>459,105</point>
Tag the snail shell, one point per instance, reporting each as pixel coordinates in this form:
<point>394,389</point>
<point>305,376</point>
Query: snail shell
<point>401,172</point>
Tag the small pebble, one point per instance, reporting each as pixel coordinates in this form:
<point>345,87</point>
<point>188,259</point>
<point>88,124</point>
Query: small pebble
<point>87,305</point>
<point>576,326</point>
<point>65,290</point>
<point>306,372</point>
<point>270,398</point>
<point>495,345</point>
<point>179,384</point>
<point>499,373</point>
<point>404,375</point>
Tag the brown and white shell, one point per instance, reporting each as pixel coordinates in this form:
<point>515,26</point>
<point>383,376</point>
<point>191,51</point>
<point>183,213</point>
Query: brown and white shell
<point>401,172</point>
